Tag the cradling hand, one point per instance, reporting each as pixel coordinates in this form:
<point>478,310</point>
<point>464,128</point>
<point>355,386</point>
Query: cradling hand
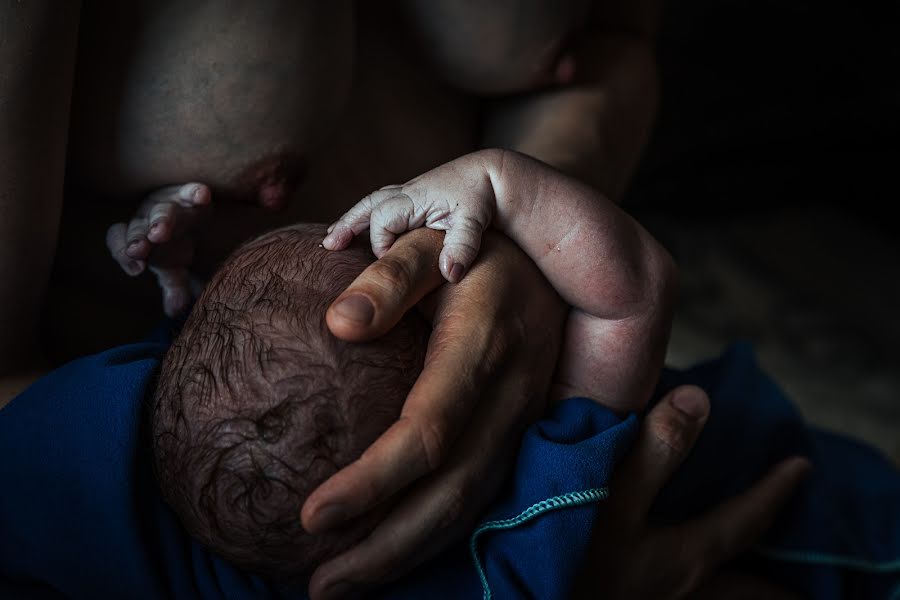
<point>629,558</point>
<point>489,363</point>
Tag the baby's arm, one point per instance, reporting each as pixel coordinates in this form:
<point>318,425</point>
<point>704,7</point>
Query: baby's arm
<point>616,277</point>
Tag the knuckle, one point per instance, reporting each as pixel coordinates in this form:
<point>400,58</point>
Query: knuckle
<point>371,491</point>
<point>433,440</point>
<point>674,433</point>
<point>463,248</point>
<point>454,507</point>
<point>392,274</point>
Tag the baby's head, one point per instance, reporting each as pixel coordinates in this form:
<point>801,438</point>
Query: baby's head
<point>257,403</point>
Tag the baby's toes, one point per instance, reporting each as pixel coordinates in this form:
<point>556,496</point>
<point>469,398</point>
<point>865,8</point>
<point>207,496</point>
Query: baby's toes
<point>116,243</point>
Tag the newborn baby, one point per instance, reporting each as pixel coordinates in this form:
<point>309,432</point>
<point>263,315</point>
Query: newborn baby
<point>257,403</point>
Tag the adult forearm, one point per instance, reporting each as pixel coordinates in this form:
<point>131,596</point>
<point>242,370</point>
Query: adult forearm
<point>594,129</point>
<point>37,57</point>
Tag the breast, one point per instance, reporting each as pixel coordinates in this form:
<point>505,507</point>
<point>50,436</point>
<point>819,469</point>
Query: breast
<point>235,94</point>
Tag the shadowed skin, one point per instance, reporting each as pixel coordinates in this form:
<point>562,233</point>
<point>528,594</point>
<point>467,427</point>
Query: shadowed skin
<point>257,403</point>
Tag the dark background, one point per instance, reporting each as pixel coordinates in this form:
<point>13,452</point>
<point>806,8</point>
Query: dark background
<point>773,178</point>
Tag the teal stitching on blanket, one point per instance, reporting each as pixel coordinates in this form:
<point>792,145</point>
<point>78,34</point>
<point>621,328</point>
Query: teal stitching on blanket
<point>818,558</point>
<point>568,500</point>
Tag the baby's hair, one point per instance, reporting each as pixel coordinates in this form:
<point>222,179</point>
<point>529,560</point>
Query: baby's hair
<point>257,402</point>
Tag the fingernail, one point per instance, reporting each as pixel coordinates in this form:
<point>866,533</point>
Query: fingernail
<point>197,194</point>
<point>457,272</point>
<point>356,308</point>
<point>340,589</point>
<point>690,401</point>
<point>135,267</point>
<point>154,229</point>
<point>328,516</point>
<point>330,228</point>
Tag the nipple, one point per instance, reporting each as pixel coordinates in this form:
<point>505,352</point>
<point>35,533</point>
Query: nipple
<point>564,72</point>
<point>273,195</point>
<point>270,182</point>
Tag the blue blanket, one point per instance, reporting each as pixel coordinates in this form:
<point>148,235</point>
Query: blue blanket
<point>81,515</point>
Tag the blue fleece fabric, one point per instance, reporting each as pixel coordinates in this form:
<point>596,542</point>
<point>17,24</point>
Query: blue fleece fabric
<point>81,515</point>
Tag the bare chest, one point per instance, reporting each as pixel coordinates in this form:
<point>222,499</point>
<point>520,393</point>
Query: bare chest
<point>170,93</point>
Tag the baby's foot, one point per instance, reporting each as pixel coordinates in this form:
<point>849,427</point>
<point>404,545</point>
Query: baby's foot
<point>158,237</point>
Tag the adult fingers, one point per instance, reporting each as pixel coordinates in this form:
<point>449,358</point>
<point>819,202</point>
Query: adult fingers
<point>737,523</point>
<point>667,435</point>
<point>381,295</point>
<point>460,355</point>
<point>441,510</point>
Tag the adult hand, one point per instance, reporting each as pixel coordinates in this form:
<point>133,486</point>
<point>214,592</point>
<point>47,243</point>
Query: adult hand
<point>490,359</point>
<point>629,558</point>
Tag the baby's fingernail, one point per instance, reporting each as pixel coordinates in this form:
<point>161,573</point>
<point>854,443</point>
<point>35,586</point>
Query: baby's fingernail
<point>456,272</point>
<point>154,229</point>
<point>331,228</point>
<point>328,516</point>
<point>691,402</point>
<point>356,308</point>
<point>133,246</point>
<point>135,267</point>
<point>200,195</point>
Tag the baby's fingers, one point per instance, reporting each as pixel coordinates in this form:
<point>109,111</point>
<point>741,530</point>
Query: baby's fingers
<point>392,217</point>
<point>176,286</point>
<point>172,210</point>
<point>354,221</point>
<point>461,243</point>
<point>188,195</point>
<point>116,243</point>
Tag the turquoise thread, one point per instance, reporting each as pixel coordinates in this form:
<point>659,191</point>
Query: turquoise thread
<point>569,500</point>
<point>818,558</point>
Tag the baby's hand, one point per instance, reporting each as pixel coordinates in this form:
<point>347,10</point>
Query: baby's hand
<point>456,197</point>
<point>158,238</point>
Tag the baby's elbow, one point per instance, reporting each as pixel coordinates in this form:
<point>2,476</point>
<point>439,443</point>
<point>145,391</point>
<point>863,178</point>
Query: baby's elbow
<point>660,280</point>
<point>666,287</point>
